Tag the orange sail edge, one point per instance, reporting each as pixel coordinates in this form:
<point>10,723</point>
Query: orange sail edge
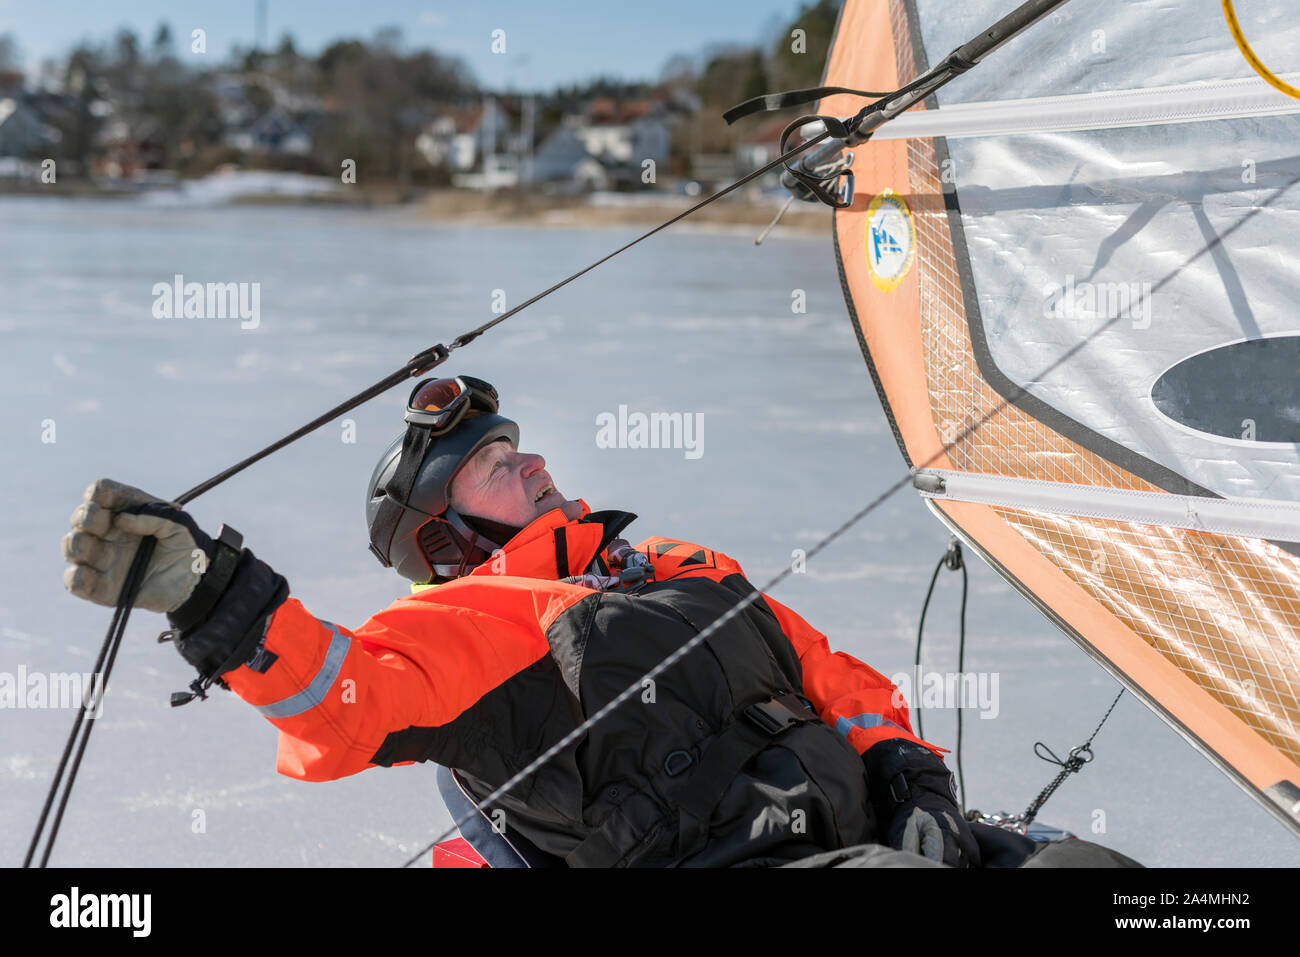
<point>1202,720</point>
<point>1201,628</point>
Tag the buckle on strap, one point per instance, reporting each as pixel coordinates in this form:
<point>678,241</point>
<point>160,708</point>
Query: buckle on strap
<point>677,762</point>
<point>779,713</point>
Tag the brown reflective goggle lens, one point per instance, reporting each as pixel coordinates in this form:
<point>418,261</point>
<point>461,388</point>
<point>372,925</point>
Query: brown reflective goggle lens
<point>435,395</point>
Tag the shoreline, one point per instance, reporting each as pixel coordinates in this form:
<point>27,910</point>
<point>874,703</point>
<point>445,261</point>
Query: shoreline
<point>469,207</point>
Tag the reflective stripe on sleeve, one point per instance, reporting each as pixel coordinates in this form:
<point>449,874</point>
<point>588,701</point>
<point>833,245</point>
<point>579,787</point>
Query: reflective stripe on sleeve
<point>316,689</point>
<point>844,725</point>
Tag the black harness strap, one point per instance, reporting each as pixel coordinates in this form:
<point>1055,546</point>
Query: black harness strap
<point>561,553</point>
<point>751,729</point>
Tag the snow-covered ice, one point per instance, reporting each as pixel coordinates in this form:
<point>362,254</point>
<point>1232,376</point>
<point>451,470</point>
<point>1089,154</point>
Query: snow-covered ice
<point>794,443</point>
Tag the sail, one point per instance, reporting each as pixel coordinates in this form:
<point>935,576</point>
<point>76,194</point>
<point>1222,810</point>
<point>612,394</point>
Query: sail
<point>1074,275</point>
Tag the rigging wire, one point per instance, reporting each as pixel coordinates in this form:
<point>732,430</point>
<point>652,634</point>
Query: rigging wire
<point>636,687</point>
<point>417,365</point>
<point>1014,395</point>
<point>1028,13</point>
<point>435,356</point>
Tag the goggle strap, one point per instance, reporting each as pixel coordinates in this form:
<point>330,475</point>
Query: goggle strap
<point>397,491</point>
<point>482,393</point>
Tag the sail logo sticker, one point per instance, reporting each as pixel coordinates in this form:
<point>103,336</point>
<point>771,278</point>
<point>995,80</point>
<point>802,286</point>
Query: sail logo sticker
<point>890,240</point>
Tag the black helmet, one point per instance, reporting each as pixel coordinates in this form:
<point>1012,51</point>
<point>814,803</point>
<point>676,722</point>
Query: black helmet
<point>422,537</point>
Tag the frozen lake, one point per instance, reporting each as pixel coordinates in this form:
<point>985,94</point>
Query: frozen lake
<point>794,442</point>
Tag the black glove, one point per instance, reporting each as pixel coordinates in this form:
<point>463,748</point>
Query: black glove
<point>221,626</point>
<point>228,632</point>
<point>1000,847</point>
<point>217,595</point>
<point>915,800</point>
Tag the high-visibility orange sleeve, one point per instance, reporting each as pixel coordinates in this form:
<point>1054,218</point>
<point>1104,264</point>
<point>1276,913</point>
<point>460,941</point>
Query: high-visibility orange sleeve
<point>854,698</point>
<point>336,694</point>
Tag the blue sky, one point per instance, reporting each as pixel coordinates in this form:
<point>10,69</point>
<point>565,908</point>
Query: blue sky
<point>546,43</point>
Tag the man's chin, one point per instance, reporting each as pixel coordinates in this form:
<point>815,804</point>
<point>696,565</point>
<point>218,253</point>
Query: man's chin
<point>572,509</point>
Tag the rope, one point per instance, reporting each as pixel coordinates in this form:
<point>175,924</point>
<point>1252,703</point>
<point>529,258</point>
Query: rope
<point>636,687</point>
<point>1078,757</point>
<point>468,337</point>
<point>920,630</point>
<point>1070,765</point>
<point>952,559</point>
<point>1028,13</point>
<point>1240,39</point>
<point>107,655</point>
<point>435,356</point>
<point>417,365</point>
<point>1015,395</point>
<point>955,548</point>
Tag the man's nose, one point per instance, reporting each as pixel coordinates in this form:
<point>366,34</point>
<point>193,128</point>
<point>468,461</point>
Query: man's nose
<point>532,463</point>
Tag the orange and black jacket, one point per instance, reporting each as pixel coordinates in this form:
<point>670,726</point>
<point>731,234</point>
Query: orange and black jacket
<point>748,750</point>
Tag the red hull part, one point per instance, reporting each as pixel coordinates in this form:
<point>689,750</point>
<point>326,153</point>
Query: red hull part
<point>456,853</point>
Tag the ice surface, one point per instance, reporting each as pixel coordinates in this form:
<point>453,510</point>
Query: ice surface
<point>692,321</point>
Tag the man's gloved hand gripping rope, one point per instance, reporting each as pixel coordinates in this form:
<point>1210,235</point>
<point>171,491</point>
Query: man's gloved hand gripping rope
<point>216,594</point>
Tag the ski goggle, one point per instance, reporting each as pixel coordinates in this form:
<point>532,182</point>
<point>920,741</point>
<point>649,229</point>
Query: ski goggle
<point>441,404</point>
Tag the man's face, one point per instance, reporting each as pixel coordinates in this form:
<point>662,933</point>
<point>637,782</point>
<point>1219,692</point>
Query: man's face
<point>506,486</point>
